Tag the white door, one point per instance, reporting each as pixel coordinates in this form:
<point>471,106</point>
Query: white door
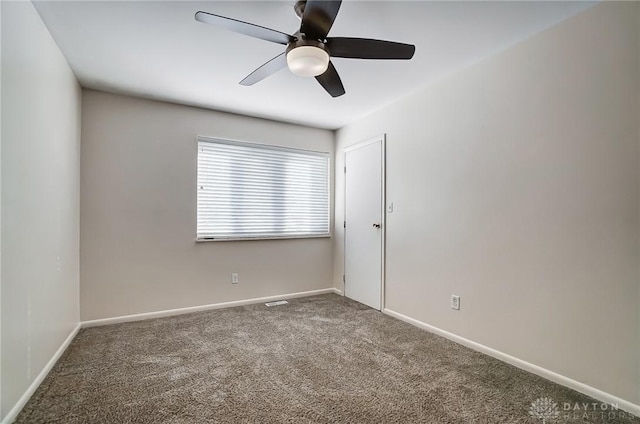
<point>364,222</point>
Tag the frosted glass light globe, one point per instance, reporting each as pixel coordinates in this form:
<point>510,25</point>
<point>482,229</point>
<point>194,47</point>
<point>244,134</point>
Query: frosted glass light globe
<point>307,61</point>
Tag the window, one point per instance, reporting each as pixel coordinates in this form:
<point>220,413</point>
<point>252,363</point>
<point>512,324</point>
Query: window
<point>249,191</point>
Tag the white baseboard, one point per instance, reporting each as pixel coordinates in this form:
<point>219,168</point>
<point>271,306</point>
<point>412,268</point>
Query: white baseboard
<point>337,291</point>
<point>527,366</point>
<point>180,311</point>
<point>13,413</point>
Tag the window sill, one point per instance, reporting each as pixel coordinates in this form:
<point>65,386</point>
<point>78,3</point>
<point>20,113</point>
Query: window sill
<point>205,240</point>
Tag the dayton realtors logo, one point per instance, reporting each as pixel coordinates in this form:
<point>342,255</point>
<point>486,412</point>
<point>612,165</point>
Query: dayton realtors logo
<point>546,409</point>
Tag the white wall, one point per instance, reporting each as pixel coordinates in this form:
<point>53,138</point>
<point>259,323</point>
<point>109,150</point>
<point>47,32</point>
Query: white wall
<point>516,186</point>
<point>138,212</point>
<point>40,204</point>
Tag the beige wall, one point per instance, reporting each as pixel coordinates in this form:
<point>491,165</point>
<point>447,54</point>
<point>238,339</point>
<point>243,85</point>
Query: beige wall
<point>515,184</point>
<point>138,212</point>
<point>40,205</point>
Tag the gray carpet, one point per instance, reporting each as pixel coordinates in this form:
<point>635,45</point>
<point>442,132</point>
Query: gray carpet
<point>322,359</point>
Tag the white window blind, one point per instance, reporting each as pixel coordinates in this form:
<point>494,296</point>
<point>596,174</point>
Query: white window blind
<point>248,190</point>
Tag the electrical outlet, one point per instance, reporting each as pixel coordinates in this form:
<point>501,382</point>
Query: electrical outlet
<point>234,278</point>
<point>455,302</point>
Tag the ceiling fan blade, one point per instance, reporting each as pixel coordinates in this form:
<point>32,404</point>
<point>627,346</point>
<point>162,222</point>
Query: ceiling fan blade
<point>268,69</point>
<point>318,18</point>
<point>331,82</point>
<point>366,48</point>
<point>245,28</point>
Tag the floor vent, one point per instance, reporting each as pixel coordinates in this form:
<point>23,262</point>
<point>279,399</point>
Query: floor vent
<point>277,303</point>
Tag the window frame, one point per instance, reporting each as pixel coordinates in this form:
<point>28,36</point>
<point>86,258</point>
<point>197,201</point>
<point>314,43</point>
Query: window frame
<point>266,146</point>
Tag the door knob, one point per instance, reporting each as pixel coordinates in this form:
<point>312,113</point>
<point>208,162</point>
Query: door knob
<point>376,225</point>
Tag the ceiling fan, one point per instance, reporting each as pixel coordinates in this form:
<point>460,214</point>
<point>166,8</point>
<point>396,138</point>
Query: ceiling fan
<point>309,50</point>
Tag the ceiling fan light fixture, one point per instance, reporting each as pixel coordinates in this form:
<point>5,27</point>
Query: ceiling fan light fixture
<point>307,61</point>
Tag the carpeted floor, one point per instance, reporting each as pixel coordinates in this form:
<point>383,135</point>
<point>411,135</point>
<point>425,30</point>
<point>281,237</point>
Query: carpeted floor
<point>322,359</point>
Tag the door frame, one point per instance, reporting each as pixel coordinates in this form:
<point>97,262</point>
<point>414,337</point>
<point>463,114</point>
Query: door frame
<point>383,206</point>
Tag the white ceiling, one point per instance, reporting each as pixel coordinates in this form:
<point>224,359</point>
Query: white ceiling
<point>156,49</point>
